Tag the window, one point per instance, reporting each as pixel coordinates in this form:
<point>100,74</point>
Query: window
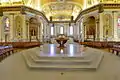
<point>71,30</point>
<point>4,1</point>
<point>61,30</point>
<point>52,30</point>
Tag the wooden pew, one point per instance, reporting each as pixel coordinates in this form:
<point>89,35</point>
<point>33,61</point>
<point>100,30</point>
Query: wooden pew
<point>116,48</point>
<point>5,51</point>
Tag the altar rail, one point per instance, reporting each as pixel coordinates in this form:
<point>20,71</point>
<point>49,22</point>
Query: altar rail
<point>21,44</point>
<point>99,44</point>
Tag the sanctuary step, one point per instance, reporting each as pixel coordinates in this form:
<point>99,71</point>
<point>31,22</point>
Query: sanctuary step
<point>35,60</point>
<point>59,60</point>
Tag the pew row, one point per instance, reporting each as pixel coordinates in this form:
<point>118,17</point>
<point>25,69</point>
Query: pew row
<point>115,49</point>
<point>5,51</point>
<point>99,44</point>
<point>21,44</point>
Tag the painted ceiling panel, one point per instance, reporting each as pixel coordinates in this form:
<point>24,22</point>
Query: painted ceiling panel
<point>62,9</point>
<point>77,1</point>
<point>46,1</point>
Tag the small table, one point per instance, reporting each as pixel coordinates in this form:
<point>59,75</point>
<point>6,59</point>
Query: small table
<point>61,41</point>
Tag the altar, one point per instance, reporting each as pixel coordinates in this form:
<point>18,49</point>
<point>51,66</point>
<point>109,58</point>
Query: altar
<point>61,40</point>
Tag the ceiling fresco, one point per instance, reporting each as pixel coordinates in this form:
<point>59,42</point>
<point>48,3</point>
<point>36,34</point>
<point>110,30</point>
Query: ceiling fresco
<point>48,1</point>
<point>61,10</point>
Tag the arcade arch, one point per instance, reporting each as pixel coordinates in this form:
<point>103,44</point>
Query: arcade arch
<point>90,28</point>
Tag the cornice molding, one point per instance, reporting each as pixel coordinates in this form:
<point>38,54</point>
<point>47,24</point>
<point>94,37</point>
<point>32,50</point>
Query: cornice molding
<point>23,10</point>
<point>61,22</point>
<point>100,7</point>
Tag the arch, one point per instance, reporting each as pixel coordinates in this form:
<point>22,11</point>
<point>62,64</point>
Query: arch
<point>33,28</point>
<point>33,20</point>
<point>90,28</point>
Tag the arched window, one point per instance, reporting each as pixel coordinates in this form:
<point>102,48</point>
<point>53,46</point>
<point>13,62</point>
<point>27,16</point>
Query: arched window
<point>61,30</point>
<point>52,30</point>
<point>4,1</point>
<point>71,30</point>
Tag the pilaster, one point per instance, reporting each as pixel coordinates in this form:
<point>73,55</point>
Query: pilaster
<point>1,29</point>
<point>115,26</point>
<point>97,30</point>
<point>101,26</point>
<point>24,27</point>
<point>82,31</point>
<point>12,26</point>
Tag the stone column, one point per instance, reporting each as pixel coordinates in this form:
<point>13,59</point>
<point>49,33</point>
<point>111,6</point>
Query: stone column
<point>38,34</point>
<point>58,29</point>
<point>101,26</point>
<point>55,30</point>
<point>41,32</point>
<point>65,29</point>
<point>12,27</point>
<point>28,29</point>
<point>49,31</point>
<point>82,31</point>
<point>77,27</point>
<point>74,30</point>
<point>24,28</point>
<point>1,29</point>
<point>68,29</point>
<point>97,30</point>
<point>44,29</point>
<point>115,26</point>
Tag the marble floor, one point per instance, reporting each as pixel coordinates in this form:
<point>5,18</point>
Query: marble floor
<point>72,57</point>
<point>69,50</point>
<point>39,63</point>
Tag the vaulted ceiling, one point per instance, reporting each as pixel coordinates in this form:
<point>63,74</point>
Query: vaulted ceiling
<point>61,10</point>
<point>48,1</point>
<point>58,10</point>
